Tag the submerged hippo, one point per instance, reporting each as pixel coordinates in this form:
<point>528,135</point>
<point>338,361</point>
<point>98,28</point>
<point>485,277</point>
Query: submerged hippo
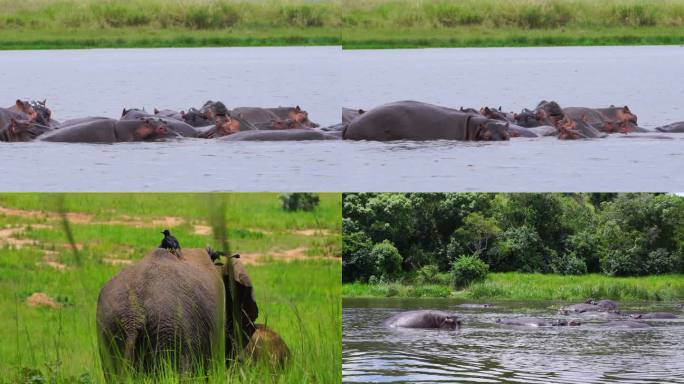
<point>110,131</point>
<point>414,120</point>
<point>653,315</point>
<point>280,135</point>
<point>604,305</point>
<point>485,305</point>
<point>178,126</point>
<point>536,322</point>
<point>349,114</point>
<point>610,120</point>
<point>546,113</point>
<point>424,319</point>
<point>672,128</point>
<point>625,324</point>
<point>569,129</point>
<point>15,126</point>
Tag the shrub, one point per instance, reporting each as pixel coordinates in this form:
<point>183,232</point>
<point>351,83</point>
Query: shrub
<point>299,201</point>
<point>428,274</point>
<point>387,259</point>
<point>569,264</point>
<point>468,269</point>
<point>357,260</point>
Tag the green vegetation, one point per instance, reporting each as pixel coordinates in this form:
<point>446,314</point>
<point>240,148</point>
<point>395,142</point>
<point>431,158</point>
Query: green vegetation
<point>444,240</point>
<point>351,23</point>
<point>535,286</point>
<point>56,342</point>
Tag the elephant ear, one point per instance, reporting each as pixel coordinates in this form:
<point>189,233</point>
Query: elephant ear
<point>241,276</point>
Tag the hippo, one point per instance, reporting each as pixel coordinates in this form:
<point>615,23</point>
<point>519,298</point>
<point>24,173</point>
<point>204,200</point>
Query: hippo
<point>605,305</point>
<point>536,322</point>
<point>625,324</point>
<point>225,125</point>
<point>569,129</point>
<point>256,116</point>
<point>579,308</point>
<point>36,111</point>
<point>14,127</point>
<point>672,128</point>
<point>296,114</point>
<point>335,127</point>
<point>485,305</point>
<point>497,114</point>
<point>211,109</point>
<point>195,118</point>
<point>424,319</point>
<point>414,120</point>
<point>110,131</point>
<point>178,126</point>
<point>349,114</point>
<point>280,135</point>
<point>653,315</point>
<point>518,131</point>
<point>544,130</point>
<point>610,120</point>
<point>546,113</point>
<point>168,113</point>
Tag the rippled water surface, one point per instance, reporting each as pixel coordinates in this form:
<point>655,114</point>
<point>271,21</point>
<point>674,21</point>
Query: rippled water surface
<point>321,80</point>
<point>485,352</point>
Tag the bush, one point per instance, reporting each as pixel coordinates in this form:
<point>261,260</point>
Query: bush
<point>358,263</point>
<point>299,201</point>
<point>569,264</point>
<point>468,269</point>
<point>387,259</point>
<point>428,274</point>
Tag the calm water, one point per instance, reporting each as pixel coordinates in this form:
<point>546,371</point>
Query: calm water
<point>485,352</point>
<point>321,80</point>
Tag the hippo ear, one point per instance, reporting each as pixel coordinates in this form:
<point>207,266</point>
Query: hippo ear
<point>298,109</point>
<point>156,111</point>
<point>123,112</point>
<point>361,111</point>
<point>499,108</point>
<point>182,113</point>
<point>44,101</point>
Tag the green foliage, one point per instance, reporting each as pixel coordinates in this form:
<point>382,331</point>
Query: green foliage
<point>299,201</point>
<point>387,259</point>
<point>358,262</point>
<point>570,234</point>
<point>467,270</point>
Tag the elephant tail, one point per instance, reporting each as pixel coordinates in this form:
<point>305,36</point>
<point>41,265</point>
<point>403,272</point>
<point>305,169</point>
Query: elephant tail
<point>130,345</point>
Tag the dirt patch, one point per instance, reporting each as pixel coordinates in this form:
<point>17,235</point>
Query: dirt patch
<point>288,255</point>
<point>50,259</point>
<point>85,218</point>
<point>39,299</point>
<point>7,235</point>
<point>311,232</point>
<point>117,261</point>
<point>204,230</point>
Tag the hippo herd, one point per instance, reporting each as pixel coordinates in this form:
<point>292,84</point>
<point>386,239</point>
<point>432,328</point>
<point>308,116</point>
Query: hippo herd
<point>402,120</point>
<point>32,120</point>
<point>603,309</point>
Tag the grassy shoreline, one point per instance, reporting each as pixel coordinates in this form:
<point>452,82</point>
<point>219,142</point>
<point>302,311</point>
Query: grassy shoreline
<point>353,24</point>
<point>533,286</point>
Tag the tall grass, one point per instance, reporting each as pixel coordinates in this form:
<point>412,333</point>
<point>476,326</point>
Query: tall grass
<point>534,286</point>
<point>300,300</point>
<point>351,23</point>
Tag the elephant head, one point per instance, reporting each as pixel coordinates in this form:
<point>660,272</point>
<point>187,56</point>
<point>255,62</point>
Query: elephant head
<point>241,308</point>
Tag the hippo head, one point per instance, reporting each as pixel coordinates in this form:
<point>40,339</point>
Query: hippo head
<point>151,129</point>
<point>567,130</point>
<point>450,322</point>
<point>285,124</point>
<point>492,113</point>
<point>563,323</point>
<point>626,116</point>
<point>195,118</point>
<point>527,119</point>
<point>26,108</point>
<point>212,109</point>
<point>225,125</point>
<point>492,130</point>
<point>590,301</point>
<point>43,113</point>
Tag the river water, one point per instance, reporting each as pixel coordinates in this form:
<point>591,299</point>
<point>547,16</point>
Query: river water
<point>80,83</point>
<point>485,352</point>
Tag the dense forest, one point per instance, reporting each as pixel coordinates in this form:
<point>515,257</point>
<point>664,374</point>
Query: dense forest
<point>392,236</point>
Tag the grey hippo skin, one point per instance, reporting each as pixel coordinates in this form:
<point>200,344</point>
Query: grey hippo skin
<point>413,120</point>
<point>162,303</point>
<point>279,135</point>
<point>110,131</point>
<point>653,315</point>
<point>604,305</point>
<point>625,324</point>
<point>349,114</point>
<point>424,319</point>
<point>544,130</point>
<point>15,126</point>
<point>590,305</point>
<point>180,127</point>
<point>536,322</point>
<point>672,128</point>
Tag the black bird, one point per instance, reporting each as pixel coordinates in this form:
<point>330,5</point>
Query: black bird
<point>169,242</point>
<point>215,255</point>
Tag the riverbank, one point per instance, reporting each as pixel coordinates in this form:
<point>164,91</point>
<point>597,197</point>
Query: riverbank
<point>533,286</point>
<point>63,24</point>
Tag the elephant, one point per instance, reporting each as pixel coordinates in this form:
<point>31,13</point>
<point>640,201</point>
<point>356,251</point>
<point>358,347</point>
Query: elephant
<point>349,114</point>
<point>653,315</point>
<point>536,322</point>
<point>672,128</point>
<point>110,131</point>
<point>413,120</point>
<point>241,308</point>
<point>625,324</point>
<point>163,309</point>
<point>280,135</point>
<point>178,126</point>
<point>265,345</point>
<point>424,319</point>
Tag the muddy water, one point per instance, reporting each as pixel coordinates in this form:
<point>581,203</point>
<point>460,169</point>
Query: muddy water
<point>485,352</point>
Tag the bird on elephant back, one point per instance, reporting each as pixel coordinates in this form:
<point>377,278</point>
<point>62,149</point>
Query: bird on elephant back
<point>184,311</point>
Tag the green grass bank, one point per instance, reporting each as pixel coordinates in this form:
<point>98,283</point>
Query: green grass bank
<point>534,286</point>
<point>44,24</point>
<point>294,265</point>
